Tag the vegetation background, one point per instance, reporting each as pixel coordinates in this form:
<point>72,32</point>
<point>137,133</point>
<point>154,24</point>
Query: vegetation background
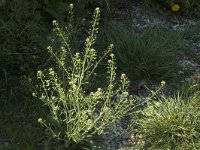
<point>155,116</point>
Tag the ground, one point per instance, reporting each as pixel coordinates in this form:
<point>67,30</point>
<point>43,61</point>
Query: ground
<point>19,128</point>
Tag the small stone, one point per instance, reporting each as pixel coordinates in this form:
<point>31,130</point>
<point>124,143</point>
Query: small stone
<point>188,79</point>
<point>124,142</point>
<point>6,143</point>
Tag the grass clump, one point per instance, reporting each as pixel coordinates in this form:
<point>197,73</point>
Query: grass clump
<point>170,123</point>
<point>150,54</point>
<point>22,36</point>
<point>76,115</point>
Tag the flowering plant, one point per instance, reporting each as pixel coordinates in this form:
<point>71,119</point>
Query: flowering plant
<point>76,115</point>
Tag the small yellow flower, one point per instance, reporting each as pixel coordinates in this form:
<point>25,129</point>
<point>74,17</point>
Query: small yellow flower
<point>23,77</point>
<point>35,57</point>
<point>175,7</point>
